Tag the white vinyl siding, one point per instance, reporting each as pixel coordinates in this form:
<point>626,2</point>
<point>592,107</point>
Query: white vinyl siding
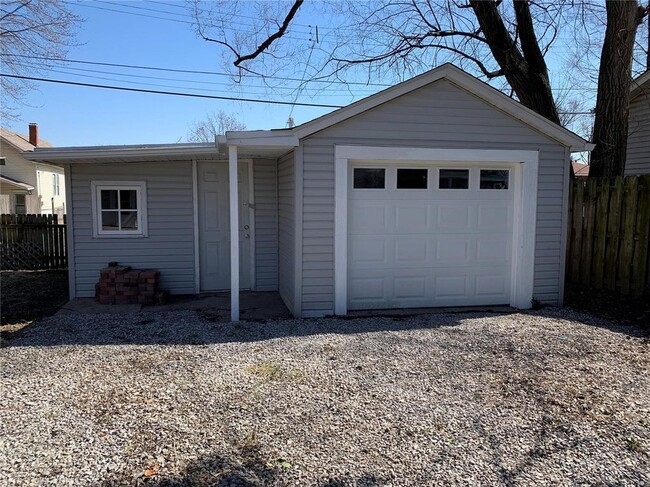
<point>439,115</point>
<point>266,224</point>
<point>638,139</point>
<point>169,246</point>
<point>286,219</point>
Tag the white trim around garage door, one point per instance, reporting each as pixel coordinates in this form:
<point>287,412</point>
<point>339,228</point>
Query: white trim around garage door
<point>525,165</point>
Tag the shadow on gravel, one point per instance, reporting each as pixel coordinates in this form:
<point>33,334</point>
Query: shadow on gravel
<point>192,328</point>
<point>248,468</point>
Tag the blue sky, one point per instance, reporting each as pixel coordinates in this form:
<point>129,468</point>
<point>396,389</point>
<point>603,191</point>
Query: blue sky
<point>70,115</point>
<point>124,32</point>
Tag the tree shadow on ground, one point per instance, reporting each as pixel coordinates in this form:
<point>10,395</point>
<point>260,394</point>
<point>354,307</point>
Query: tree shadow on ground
<point>190,328</point>
<point>247,467</point>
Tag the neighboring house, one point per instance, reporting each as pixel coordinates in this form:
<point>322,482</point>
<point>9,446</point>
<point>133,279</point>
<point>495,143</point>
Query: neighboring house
<point>638,139</point>
<point>580,169</point>
<point>439,191</point>
<point>27,187</point>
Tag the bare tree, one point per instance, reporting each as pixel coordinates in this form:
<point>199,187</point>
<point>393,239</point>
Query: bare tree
<point>216,123</point>
<point>29,31</point>
<point>491,38</point>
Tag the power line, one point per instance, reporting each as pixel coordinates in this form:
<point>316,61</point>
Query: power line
<point>173,93</point>
<point>74,72</point>
<point>191,71</point>
<point>186,22</point>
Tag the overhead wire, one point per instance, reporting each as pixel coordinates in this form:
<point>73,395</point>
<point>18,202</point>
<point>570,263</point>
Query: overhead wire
<point>173,93</point>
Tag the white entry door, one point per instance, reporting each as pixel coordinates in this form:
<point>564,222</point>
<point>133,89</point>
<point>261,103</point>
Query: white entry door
<point>214,226</point>
<point>428,235</point>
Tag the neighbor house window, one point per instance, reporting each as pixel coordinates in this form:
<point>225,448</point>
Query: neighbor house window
<point>494,178</point>
<point>454,179</point>
<point>119,209</point>
<point>369,178</point>
<point>20,203</point>
<point>3,161</point>
<point>57,188</point>
<point>412,178</point>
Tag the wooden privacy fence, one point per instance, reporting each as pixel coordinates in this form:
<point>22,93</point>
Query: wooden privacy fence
<point>31,242</point>
<point>609,234</point>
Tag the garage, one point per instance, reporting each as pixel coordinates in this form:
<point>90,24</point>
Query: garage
<point>429,235</point>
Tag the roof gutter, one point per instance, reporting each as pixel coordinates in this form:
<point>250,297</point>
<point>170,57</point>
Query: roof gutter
<point>71,154</point>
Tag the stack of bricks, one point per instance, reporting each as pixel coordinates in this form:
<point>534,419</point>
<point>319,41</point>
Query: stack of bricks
<point>123,285</point>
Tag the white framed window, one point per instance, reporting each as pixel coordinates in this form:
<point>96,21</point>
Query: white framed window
<point>119,208</point>
<point>56,185</point>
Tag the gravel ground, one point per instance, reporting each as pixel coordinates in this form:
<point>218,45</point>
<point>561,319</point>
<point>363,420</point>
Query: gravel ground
<point>545,398</point>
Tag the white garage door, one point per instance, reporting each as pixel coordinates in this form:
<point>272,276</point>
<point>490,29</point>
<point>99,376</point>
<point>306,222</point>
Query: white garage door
<point>429,235</point>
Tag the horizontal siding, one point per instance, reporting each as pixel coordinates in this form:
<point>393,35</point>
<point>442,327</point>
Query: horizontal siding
<point>638,141</point>
<point>439,115</point>
<point>169,246</point>
<point>286,228</point>
<point>266,224</point>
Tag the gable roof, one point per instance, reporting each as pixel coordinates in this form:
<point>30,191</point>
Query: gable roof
<point>19,141</point>
<point>639,84</point>
<point>461,79</point>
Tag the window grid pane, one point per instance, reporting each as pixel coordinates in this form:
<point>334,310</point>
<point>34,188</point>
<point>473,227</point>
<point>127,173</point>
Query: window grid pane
<point>109,199</point>
<point>454,179</point>
<point>494,178</point>
<point>369,178</point>
<point>110,221</point>
<point>412,178</point>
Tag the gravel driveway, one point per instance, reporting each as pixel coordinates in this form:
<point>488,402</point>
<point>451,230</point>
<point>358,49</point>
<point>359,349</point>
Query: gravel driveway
<point>543,398</point>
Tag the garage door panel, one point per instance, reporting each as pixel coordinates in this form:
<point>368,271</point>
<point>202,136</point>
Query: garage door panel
<point>450,286</point>
<point>453,217</point>
<point>452,250</point>
<point>493,285</point>
<point>495,218</point>
<point>493,250</point>
<point>410,287</point>
<point>366,290</point>
<point>412,218</point>
<point>369,217</point>
<point>415,250</point>
<point>422,248</point>
<point>369,250</point>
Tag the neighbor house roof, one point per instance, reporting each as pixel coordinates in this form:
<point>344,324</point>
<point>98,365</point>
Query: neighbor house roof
<point>19,141</point>
<point>641,84</point>
<point>580,169</point>
<point>14,182</point>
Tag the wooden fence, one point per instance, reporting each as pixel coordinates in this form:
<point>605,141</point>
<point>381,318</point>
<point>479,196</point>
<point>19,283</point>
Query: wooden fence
<point>31,242</point>
<point>609,234</point>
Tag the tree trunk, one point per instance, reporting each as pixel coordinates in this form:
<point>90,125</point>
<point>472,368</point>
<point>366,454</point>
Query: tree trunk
<point>525,69</point>
<point>614,83</point>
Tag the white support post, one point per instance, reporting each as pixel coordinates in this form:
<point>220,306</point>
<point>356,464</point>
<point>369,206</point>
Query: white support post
<point>234,232</point>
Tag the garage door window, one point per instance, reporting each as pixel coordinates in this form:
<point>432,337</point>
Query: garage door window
<point>412,178</point>
<point>369,178</point>
<point>494,179</point>
<point>454,179</point>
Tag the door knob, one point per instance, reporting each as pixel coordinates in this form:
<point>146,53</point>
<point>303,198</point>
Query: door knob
<point>247,235</point>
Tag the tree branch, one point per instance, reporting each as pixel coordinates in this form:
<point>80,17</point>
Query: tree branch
<point>280,32</point>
